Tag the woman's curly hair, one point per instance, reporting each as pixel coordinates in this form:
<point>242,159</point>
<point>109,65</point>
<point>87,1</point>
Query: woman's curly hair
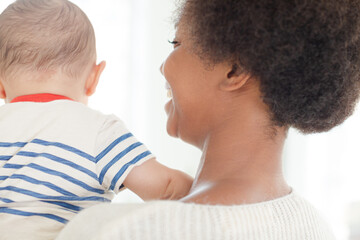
<point>306,53</point>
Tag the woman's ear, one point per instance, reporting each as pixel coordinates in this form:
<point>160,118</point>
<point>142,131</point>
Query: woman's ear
<point>235,78</point>
<point>93,79</point>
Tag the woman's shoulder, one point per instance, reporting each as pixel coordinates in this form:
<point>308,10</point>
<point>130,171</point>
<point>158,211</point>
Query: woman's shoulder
<point>289,217</point>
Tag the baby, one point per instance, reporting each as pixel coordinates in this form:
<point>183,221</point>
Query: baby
<point>57,156</point>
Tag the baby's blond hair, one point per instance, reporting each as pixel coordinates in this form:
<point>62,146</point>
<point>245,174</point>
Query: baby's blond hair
<point>43,36</point>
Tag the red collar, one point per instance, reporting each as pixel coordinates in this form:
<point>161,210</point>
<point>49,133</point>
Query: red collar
<point>41,97</point>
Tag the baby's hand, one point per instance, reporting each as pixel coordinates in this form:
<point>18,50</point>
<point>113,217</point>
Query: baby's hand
<point>179,185</point>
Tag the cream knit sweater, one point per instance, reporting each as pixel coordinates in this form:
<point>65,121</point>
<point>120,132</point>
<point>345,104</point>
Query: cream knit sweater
<point>286,218</point>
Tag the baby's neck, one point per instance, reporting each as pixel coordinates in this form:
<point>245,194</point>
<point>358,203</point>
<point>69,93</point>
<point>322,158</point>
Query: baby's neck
<point>61,85</point>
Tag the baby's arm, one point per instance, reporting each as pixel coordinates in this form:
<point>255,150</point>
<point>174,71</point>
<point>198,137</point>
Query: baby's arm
<point>152,180</point>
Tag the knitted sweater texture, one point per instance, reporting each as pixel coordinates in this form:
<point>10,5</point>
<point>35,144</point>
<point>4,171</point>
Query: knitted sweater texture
<point>287,218</point>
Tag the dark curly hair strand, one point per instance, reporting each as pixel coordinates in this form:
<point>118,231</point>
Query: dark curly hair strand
<point>306,53</point>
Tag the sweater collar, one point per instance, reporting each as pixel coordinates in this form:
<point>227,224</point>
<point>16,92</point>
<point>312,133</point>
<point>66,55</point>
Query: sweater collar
<point>41,97</point>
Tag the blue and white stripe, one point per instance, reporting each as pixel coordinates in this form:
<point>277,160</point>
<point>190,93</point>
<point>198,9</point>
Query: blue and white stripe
<point>71,164</point>
<point>64,197</point>
<point>117,159</point>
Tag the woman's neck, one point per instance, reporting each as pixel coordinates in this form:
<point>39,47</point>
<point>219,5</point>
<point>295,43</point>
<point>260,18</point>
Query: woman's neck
<point>241,163</point>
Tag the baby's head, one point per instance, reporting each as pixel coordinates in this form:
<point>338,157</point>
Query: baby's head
<point>47,46</point>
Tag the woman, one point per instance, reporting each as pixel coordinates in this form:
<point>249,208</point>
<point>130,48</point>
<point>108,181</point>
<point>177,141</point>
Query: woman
<point>241,73</point>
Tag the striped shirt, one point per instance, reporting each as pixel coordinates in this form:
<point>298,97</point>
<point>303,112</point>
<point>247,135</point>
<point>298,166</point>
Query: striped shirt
<point>57,158</point>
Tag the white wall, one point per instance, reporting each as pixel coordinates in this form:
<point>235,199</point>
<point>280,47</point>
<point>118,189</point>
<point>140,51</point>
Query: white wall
<point>132,37</point>
<point>325,169</point>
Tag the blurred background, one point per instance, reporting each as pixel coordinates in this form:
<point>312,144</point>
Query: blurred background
<point>132,37</point>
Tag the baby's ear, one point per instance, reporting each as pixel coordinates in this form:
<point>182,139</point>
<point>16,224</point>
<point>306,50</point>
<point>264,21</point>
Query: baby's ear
<point>93,79</point>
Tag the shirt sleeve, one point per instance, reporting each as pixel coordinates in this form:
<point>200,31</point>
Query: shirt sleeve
<point>117,153</point>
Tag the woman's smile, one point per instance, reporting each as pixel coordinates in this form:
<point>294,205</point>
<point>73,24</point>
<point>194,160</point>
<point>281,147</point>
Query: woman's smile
<point>169,105</point>
<point>169,91</point>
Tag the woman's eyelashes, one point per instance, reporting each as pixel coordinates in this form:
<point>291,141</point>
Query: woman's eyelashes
<point>175,43</point>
